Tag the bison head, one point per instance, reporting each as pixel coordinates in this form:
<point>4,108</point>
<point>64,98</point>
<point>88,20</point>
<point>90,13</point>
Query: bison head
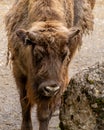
<point>51,44</point>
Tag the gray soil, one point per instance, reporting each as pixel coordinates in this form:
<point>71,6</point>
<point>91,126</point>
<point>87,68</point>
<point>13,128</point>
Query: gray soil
<point>92,51</point>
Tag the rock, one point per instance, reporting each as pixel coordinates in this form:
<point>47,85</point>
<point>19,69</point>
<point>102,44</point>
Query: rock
<point>82,105</point>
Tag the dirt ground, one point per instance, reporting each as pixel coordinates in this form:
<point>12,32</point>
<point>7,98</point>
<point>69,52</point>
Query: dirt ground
<point>91,52</point>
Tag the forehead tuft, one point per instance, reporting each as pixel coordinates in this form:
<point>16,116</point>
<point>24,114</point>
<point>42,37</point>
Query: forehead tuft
<point>51,33</point>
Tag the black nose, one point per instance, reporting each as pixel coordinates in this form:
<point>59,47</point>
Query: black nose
<point>49,89</point>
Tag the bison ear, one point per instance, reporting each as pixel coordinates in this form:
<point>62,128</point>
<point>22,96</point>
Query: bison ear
<point>24,36</point>
<point>74,31</point>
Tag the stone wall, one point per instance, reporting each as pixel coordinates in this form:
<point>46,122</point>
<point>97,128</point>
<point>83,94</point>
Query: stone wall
<point>83,103</point>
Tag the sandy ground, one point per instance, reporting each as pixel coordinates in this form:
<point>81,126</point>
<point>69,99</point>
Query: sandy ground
<point>91,52</point>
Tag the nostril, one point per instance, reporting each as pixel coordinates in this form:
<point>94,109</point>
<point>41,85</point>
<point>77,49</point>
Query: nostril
<point>56,88</point>
<point>47,89</point>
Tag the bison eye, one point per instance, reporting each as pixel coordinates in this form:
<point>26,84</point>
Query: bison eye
<point>38,57</point>
<point>38,53</point>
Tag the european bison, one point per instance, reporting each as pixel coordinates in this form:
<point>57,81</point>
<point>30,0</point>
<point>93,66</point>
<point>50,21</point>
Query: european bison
<point>42,38</point>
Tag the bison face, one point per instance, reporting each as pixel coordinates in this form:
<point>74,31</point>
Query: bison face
<point>50,55</point>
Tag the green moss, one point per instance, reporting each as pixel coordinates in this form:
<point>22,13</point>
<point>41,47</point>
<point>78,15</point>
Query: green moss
<point>89,80</point>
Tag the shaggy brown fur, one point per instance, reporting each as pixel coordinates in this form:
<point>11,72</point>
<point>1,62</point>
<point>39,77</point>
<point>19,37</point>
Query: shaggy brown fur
<point>42,38</point>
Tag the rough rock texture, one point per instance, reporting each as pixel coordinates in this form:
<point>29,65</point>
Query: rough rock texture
<point>83,103</point>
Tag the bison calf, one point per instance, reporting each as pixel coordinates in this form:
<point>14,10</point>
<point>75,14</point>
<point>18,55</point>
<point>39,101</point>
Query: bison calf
<point>42,38</point>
